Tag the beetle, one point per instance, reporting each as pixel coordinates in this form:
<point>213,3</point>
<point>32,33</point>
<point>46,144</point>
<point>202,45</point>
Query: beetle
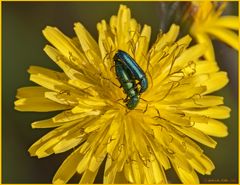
<point>133,67</point>
<point>128,84</point>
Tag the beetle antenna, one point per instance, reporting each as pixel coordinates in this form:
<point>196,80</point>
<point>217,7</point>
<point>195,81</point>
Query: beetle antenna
<point>108,80</point>
<point>147,70</point>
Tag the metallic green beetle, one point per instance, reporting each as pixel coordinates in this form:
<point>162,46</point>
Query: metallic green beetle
<point>127,83</point>
<point>134,68</point>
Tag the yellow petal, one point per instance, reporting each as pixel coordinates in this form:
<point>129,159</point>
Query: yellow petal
<point>217,112</point>
<point>182,162</point>
<point>93,102</point>
<point>114,164</point>
<point>69,142</point>
<point>64,45</point>
<point>167,38</point>
<point>67,168</point>
<point>208,164</point>
<point>93,155</point>
<point>47,72</point>
<point>64,97</point>
<point>186,177</point>
<point>83,164</point>
<point>120,178</point>
<point>114,133</point>
<point>186,40</point>
<point>225,35</point>
<point>161,157</point>
<point>38,105</point>
<point>67,116</point>
<point>231,22</point>
<point>52,80</point>
<point>33,149</point>
<point>198,136</point>
<point>203,38</point>
<point>158,173</point>
<point>148,173</point>
<point>202,164</point>
<point>80,84</point>
<point>68,139</point>
<point>105,41</point>
<point>105,119</point>
<point>47,123</point>
<point>188,55</point>
<point>177,147</point>
<point>86,40</point>
<point>128,172</point>
<point>54,133</point>
<point>175,118</point>
<point>184,92</point>
<point>215,82</point>
<point>142,46</point>
<point>192,148</point>
<point>123,19</point>
<point>88,177</point>
<point>197,165</point>
<point>71,71</point>
<point>48,83</point>
<point>110,171</point>
<point>171,35</point>
<point>137,171</point>
<point>47,148</point>
<point>99,153</point>
<point>27,92</point>
<point>212,128</point>
<point>202,101</point>
<point>204,67</point>
<point>90,47</point>
<point>113,23</point>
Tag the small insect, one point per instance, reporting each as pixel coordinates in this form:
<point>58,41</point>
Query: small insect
<point>135,70</point>
<point>128,84</point>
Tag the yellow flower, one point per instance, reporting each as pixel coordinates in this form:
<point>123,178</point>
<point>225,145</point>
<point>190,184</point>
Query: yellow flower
<point>208,23</point>
<point>137,146</point>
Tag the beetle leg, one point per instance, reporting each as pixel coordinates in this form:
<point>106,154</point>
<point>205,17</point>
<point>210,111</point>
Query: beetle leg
<point>126,99</point>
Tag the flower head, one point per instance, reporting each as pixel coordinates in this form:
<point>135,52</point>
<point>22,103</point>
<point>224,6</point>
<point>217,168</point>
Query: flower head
<point>138,145</point>
<point>209,23</point>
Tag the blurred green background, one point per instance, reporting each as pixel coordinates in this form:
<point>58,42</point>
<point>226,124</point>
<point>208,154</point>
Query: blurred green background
<point>23,44</point>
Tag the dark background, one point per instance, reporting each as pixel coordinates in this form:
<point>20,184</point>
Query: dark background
<point>23,44</point>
